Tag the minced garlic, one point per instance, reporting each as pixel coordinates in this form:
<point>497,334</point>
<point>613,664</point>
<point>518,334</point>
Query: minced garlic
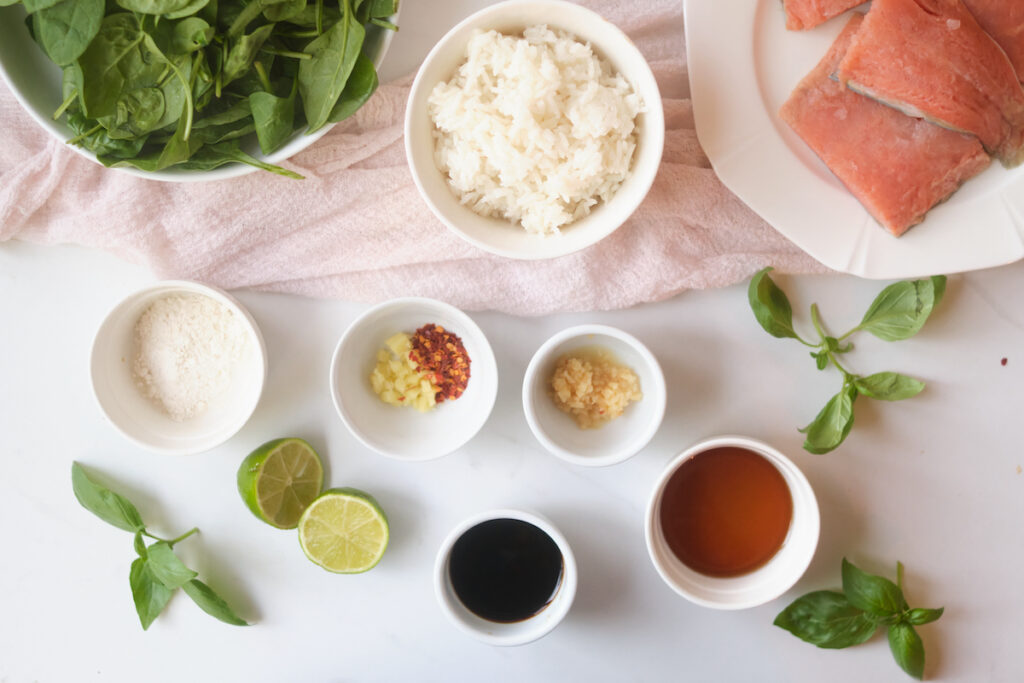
<point>592,387</point>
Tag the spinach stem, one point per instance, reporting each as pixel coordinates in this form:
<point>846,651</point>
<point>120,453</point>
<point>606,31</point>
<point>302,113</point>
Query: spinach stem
<point>384,24</point>
<point>81,136</point>
<point>286,53</point>
<point>319,16</point>
<point>310,33</point>
<point>262,73</point>
<point>65,104</point>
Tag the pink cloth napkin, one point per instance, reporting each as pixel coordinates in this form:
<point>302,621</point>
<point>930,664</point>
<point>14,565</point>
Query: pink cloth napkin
<point>356,228</point>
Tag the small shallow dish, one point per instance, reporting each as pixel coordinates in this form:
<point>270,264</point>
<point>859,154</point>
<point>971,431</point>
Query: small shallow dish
<point>618,439</point>
<point>139,418</point>
<point>35,82</point>
<point>405,433</point>
<point>518,632</point>
<point>761,585</point>
<point>499,236</point>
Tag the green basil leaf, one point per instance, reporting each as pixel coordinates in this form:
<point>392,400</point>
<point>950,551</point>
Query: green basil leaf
<point>939,289</point>
<point>899,311</point>
<point>889,386</point>
<point>875,594</point>
<point>111,507</point>
<point>907,649</point>
<point>832,425</point>
<point>820,359</point>
<point>140,545</point>
<point>166,566</point>
<point>65,30</point>
<point>149,594</point>
<point>771,306</point>
<point>323,77</point>
<point>827,619</point>
<point>211,603</point>
<point>920,615</point>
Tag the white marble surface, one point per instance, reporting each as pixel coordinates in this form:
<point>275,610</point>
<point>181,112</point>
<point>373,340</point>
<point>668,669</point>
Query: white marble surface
<point>934,481</point>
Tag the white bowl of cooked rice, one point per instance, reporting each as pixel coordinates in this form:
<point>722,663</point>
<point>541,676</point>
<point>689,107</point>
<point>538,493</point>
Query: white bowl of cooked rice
<point>534,129</point>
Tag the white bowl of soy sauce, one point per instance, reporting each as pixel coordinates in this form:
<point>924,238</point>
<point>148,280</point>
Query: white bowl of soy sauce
<point>505,577</point>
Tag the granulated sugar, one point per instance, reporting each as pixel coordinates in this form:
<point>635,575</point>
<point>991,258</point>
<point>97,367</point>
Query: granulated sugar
<point>186,347</point>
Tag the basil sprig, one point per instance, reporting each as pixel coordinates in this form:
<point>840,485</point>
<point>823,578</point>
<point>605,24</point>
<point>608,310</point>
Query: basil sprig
<point>898,312</point>
<point>830,619</point>
<point>157,572</point>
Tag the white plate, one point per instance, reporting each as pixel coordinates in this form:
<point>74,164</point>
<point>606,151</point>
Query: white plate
<point>743,64</point>
<point>35,82</point>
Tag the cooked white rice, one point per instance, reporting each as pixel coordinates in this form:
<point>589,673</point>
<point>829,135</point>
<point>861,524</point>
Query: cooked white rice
<point>536,129</point>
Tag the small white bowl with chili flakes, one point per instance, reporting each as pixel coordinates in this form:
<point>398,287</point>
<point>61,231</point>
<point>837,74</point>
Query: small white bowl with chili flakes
<point>594,395</point>
<point>402,355</point>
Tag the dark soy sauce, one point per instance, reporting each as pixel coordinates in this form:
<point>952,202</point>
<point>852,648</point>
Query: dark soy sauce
<point>726,511</point>
<point>505,570</point>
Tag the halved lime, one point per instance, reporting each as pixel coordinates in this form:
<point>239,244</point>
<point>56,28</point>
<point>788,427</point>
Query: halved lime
<point>280,479</point>
<point>344,531</point>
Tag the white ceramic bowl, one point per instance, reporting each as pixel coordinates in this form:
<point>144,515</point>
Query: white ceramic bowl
<point>762,585</point>
<point>139,418</point>
<point>499,236</point>
<point>405,433</point>
<point>35,82</point>
<point>618,439</point>
<point>516,633</point>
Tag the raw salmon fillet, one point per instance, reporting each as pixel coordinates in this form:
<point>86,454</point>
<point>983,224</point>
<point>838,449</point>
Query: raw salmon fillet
<point>1004,21</point>
<point>805,14</point>
<point>897,166</point>
<point>930,58</point>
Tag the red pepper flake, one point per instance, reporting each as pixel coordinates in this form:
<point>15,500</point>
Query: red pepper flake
<point>1002,362</point>
<point>441,354</point>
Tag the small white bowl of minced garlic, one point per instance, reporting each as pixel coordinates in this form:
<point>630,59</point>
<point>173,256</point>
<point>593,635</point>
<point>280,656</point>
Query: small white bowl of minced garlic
<point>178,367</point>
<point>594,395</point>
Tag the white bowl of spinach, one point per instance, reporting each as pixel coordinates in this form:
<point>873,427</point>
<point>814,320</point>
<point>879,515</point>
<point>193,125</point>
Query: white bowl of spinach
<point>186,90</point>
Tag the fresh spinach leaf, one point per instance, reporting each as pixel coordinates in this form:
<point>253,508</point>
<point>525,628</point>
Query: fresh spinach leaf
<point>189,10</point>
<point>154,6</point>
<point>243,52</point>
<point>65,30</point>
<point>214,156</point>
<point>111,507</point>
<point>323,77</point>
<point>211,603</point>
<point>828,620</point>
<point>284,11</point>
<point>889,386</point>
<point>361,85</point>
<point>31,6</point>
<point>274,118</point>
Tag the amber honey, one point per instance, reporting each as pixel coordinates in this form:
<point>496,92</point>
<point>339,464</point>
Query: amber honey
<point>726,511</point>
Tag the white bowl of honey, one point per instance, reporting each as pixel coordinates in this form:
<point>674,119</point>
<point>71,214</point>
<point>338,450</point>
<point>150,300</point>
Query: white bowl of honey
<point>732,523</point>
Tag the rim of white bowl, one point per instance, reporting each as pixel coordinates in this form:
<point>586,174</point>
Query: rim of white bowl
<point>233,170</point>
<point>457,613</point>
<point>632,447</point>
<point>653,535</point>
<point>464,320</point>
<point>191,287</point>
<point>656,112</point>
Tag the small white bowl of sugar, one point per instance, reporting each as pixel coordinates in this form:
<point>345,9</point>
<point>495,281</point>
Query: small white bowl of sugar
<point>178,367</point>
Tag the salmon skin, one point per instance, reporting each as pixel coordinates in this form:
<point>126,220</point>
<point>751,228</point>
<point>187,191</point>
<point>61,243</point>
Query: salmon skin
<point>805,14</point>
<point>930,58</point>
<point>897,166</point>
<point>1004,21</point>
